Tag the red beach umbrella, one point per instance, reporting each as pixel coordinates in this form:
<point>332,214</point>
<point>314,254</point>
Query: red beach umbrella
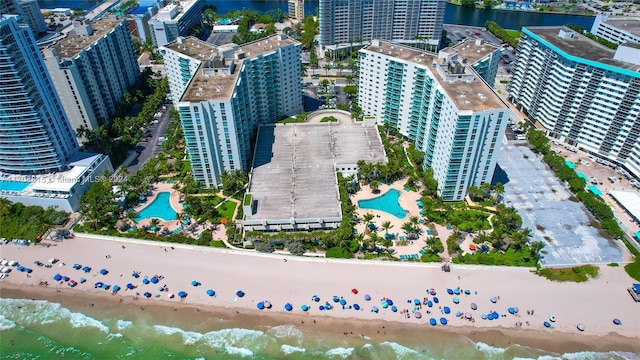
<point>354,290</point>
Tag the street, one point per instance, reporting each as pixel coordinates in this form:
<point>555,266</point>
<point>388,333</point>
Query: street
<point>151,148</point>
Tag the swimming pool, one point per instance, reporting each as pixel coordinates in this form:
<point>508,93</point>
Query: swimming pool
<point>160,208</point>
<point>388,203</point>
<point>13,185</point>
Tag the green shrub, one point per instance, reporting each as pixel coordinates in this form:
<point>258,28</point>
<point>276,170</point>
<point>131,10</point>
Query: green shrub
<point>337,252</point>
<point>573,274</point>
<point>430,257</point>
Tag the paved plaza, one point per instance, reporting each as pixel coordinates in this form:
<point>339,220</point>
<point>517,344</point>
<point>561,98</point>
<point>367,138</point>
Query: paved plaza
<point>551,211</point>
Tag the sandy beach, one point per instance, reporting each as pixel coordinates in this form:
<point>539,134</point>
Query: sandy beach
<point>280,279</point>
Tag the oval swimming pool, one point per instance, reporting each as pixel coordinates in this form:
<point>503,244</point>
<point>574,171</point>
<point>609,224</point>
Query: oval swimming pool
<point>387,202</point>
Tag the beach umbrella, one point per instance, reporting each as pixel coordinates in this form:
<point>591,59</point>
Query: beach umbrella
<point>456,300</point>
<point>72,283</point>
<point>170,296</point>
<point>321,307</point>
<point>336,298</point>
<point>106,286</point>
<point>145,280</point>
<point>82,280</point>
<point>511,310</point>
<point>354,290</point>
<point>182,294</point>
<point>429,303</point>
<point>617,321</point>
<point>288,307</point>
<point>210,292</point>
<point>66,278</point>
<point>239,293</point>
<point>418,315</point>
<point>267,304</point>
<point>147,294</point>
<point>494,300</point>
<point>435,300</point>
<point>116,288</point>
<point>104,271</point>
<point>458,313</point>
<point>433,322</point>
<point>130,286</point>
<point>194,283</point>
<point>552,318</point>
<point>443,321</point>
<point>416,301</point>
<point>432,292</point>
<point>456,291</point>
<point>86,269</point>
<point>484,316</point>
<point>374,309</point>
<point>394,308</point>
<point>356,306</point>
<point>449,291</point>
<point>367,297</point>
<point>580,327</point>
<point>384,304</point>
<point>468,316</point>
<point>161,288</point>
<point>28,270</point>
<point>547,324</point>
<point>467,292</point>
<point>304,307</point>
<point>315,298</point>
<point>154,280</point>
<point>52,261</point>
<point>343,302</point>
<point>515,309</point>
<point>135,275</point>
<point>446,310</point>
<point>98,284</point>
<point>260,305</point>
<point>57,277</point>
<point>474,306</point>
<point>389,302</point>
<point>20,268</point>
<point>76,266</point>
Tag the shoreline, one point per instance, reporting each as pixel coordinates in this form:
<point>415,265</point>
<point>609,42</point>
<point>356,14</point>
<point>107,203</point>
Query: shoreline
<point>294,280</point>
<point>367,330</point>
<point>528,11</point>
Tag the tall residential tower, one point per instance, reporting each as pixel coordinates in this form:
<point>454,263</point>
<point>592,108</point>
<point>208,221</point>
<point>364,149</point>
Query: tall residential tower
<point>175,19</point>
<point>224,93</point>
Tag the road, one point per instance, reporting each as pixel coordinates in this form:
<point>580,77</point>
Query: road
<point>151,147</point>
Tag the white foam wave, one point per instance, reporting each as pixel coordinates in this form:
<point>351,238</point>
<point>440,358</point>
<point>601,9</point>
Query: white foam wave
<point>6,324</point>
<point>288,349</point>
<point>123,324</point>
<point>340,351</point>
<point>285,331</point>
<point>38,312</point>
<point>489,350</point>
<point>188,337</point>
<point>232,337</point>
<point>399,349</point>
<point>238,351</point>
<point>116,335</point>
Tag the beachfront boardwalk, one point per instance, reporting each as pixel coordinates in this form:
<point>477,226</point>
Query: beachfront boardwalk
<point>296,280</point>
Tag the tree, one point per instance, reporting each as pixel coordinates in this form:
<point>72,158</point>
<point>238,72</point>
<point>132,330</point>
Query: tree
<point>99,207</point>
<point>233,181</point>
<point>368,217</point>
<point>535,249</point>
<point>498,189</point>
<point>296,248</point>
<point>264,246</point>
<point>488,4</point>
<point>387,243</point>
<point>468,3</point>
<point>375,186</point>
<point>131,216</point>
<point>327,67</point>
<point>340,67</point>
<point>386,226</point>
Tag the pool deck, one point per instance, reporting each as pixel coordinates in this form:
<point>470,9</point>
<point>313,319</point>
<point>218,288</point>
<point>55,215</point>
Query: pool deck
<point>408,202</point>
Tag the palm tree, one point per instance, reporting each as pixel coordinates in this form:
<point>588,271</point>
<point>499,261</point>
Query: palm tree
<point>131,216</point>
<point>327,67</point>
<point>407,227</point>
<point>154,224</point>
<point>375,186</point>
<point>339,66</point>
<point>368,217</point>
<point>386,226</point>
<point>498,188</point>
<point>387,243</point>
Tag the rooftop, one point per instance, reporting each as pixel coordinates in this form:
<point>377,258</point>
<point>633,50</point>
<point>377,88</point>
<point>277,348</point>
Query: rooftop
<point>73,44</point>
<point>630,201</point>
<point>182,9</point>
<point>294,168</point>
<point>580,46</point>
<point>631,25</point>
<point>220,86</point>
<point>475,95</point>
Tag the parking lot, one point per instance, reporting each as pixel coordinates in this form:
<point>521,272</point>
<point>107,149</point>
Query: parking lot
<point>551,211</point>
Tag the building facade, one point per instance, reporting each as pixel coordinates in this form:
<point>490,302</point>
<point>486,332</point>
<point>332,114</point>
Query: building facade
<point>35,134</point>
<point>138,18</point>
<point>441,103</point>
<point>296,9</point>
<point>224,93</point>
<point>175,19</point>
<point>617,30</point>
<point>581,93</point>
<point>92,67</point>
<point>417,22</point>
<point>29,12</point>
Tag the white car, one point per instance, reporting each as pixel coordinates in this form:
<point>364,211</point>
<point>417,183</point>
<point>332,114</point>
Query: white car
<point>13,263</point>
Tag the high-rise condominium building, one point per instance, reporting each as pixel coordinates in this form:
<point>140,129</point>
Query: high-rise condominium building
<point>35,135</point>
<point>92,67</point>
<point>404,21</point>
<point>296,9</point>
<point>175,19</point>
<point>39,159</point>
<point>440,102</point>
<point>29,12</point>
<point>617,30</point>
<point>581,92</point>
<point>138,18</point>
<point>224,93</point>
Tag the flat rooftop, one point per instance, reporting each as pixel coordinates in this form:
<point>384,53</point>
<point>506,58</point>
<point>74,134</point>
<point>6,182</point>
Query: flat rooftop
<point>580,46</point>
<point>217,87</point>
<point>294,167</point>
<point>475,96</point>
<point>184,7</point>
<point>73,44</point>
<point>630,25</point>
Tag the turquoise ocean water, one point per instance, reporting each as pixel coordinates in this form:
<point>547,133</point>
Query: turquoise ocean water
<point>38,329</point>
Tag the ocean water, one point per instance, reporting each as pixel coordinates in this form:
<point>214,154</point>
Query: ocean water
<point>38,329</point>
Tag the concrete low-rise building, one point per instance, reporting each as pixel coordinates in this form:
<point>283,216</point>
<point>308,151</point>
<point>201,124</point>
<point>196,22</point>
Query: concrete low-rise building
<point>617,30</point>
<point>581,93</point>
<point>442,103</point>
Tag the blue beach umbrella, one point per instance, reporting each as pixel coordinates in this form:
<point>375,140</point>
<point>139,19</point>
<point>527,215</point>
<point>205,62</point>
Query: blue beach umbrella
<point>367,297</point>
<point>104,271</point>
<point>130,286</point>
<point>86,269</point>
<point>484,316</point>
<point>443,321</point>
<point>260,305</point>
<point>304,307</point>
<point>135,275</point>
<point>467,292</point>
<point>195,283</point>
<point>416,301</point>
<point>429,303</point>
<point>494,300</point>
<point>458,313</point>
<point>384,304</point>
<point>66,278</point>
<point>394,308</point>
<point>617,321</point>
<point>433,322</point>
<point>456,291</point>
<point>288,307</point>
<point>239,293</point>
<point>356,306</point>
<point>374,309</point>
<point>57,277</point>
<point>116,288</point>
<point>210,292</point>
<point>182,294</point>
<point>98,284</point>
<point>511,310</point>
<point>83,280</point>
<point>106,286</point>
<point>315,298</point>
<point>154,280</point>
<point>147,294</point>
<point>76,266</point>
<point>446,310</point>
<point>145,280</point>
<point>456,300</point>
<point>321,307</point>
<point>547,324</point>
<point>449,291</point>
<point>28,270</point>
<point>435,300</point>
<point>343,302</point>
<point>336,298</point>
<point>389,302</point>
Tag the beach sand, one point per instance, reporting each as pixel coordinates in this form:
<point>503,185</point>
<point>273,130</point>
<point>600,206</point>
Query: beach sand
<point>268,277</point>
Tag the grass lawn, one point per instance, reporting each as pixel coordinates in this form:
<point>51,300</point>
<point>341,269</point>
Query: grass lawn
<point>574,274</point>
<point>217,244</point>
<point>509,258</point>
<point>226,210</point>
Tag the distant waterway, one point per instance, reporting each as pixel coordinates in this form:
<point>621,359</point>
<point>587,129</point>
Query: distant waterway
<point>454,14</point>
